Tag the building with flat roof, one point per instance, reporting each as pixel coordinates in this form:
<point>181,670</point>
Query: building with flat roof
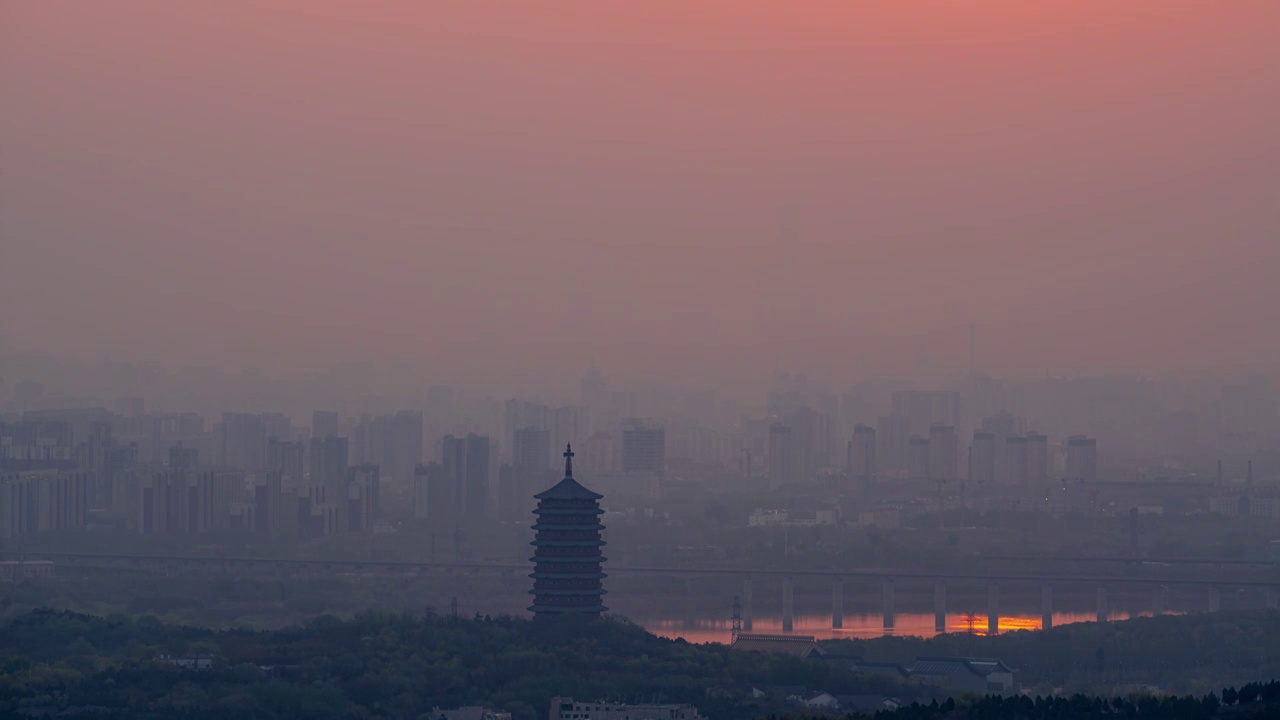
<point>781,458</point>
<point>862,456</point>
<point>1082,459</point>
<point>801,646</point>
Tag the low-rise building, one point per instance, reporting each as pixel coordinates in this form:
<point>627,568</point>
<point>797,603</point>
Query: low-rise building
<point>470,712</point>
<point>821,701</point>
<point>565,708</point>
<point>802,646</point>
<point>869,704</point>
<point>25,569</point>
<point>976,675</point>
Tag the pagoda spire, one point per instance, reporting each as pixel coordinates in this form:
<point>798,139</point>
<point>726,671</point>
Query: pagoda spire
<point>568,460</point>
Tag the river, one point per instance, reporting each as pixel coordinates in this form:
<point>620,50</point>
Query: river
<point>861,625</point>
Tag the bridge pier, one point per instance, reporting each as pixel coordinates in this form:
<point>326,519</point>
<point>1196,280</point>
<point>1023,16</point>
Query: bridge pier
<point>787,620</point>
<point>1046,606</point>
<point>837,604</point>
<point>746,604</point>
<point>1215,599</point>
<point>1159,598</point>
<point>993,609</point>
<point>887,601</point>
<point>1103,613</point>
<point>940,607</point>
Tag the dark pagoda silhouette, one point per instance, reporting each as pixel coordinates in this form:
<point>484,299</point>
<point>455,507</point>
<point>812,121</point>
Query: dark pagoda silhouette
<point>567,549</point>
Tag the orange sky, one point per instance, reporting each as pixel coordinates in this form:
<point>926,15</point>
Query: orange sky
<point>681,190</point>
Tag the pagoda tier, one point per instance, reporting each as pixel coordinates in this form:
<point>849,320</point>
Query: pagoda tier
<point>567,570</point>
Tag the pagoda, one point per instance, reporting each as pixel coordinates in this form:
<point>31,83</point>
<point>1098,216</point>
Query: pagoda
<point>567,549</point>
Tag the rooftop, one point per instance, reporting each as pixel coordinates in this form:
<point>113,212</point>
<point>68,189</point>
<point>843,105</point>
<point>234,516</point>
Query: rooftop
<point>799,645</point>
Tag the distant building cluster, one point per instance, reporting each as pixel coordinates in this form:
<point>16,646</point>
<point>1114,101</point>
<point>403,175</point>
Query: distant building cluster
<point>869,457</point>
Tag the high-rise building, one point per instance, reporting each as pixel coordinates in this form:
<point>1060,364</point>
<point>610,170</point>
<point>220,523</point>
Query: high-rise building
<point>268,502</point>
<point>1037,458</point>
<point>810,442</point>
<point>532,450</point>
<point>1002,426</point>
<point>510,487</point>
<point>942,452</point>
<point>288,459</point>
<point>893,437</point>
<point>643,448</point>
<point>187,501</point>
<point>781,459</point>
<point>918,458</point>
<point>325,423</point>
<point>37,445</point>
<point>130,407</point>
<point>568,561</point>
<point>563,426</point>
<point>520,414</point>
<point>42,501</point>
<point>923,408</point>
<point>1082,459</point>
<point>363,497</point>
<point>392,442</point>
<point>644,457</point>
<point>982,459</point>
<point>329,464</point>
<point>434,495</point>
<point>862,456</point>
<point>403,450</point>
<point>182,457</point>
<point>1015,461</point>
<point>465,464</point>
<point>600,457</point>
<point>244,441</point>
<point>421,491</point>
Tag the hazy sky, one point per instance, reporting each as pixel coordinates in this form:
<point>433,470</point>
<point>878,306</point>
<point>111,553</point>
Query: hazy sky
<point>665,188</point>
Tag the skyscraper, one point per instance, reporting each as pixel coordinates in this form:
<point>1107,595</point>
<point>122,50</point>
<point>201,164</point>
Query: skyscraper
<point>244,441</point>
<point>918,458</point>
<point>532,450</point>
<point>324,423</point>
<point>923,408</point>
<point>942,452</point>
<point>1082,459</point>
<point>781,458</point>
<point>568,562</point>
<point>862,456</point>
<point>1037,458</point>
<point>1015,461</point>
<point>403,449</point>
<point>563,424</point>
<point>329,465</point>
<point>520,414</point>
<point>435,495</point>
<point>364,497</point>
<point>477,477</point>
<point>465,464</point>
<point>893,435</point>
<point>287,458</point>
<point>643,448</point>
<point>982,460</point>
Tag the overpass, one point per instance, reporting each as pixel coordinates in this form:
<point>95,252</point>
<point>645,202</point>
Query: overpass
<point>887,577</point>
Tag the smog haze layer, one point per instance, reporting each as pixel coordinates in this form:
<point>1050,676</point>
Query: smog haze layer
<point>672,191</point>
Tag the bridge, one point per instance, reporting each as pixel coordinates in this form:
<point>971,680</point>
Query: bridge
<point>888,578</point>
